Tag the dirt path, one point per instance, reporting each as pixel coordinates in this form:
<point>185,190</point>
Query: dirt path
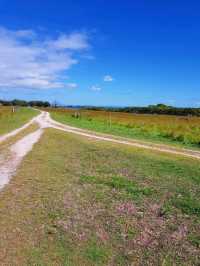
<point>9,162</point>
<point>11,158</point>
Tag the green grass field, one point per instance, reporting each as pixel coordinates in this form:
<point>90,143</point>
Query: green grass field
<point>76,201</point>
<point>178,131</point>
<point>10,121</point>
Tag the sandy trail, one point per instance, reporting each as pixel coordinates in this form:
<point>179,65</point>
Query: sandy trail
<point>22,147</point>
<point>17,152</point>
<point>10,161</point>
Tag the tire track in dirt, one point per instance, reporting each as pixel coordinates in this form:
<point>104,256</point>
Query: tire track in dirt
<point>10,162</point>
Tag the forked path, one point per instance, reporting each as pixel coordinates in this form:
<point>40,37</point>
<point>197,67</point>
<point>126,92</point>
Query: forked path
<point>17,151</point>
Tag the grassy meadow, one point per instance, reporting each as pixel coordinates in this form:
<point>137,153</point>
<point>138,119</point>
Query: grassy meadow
<point>10,121</point>
<point>83,202</point>
<point>177,130</point>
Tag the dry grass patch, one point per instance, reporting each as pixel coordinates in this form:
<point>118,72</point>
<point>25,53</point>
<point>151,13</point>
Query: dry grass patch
<point>175,130</point>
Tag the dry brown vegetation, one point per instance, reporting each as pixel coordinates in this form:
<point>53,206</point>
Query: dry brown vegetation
<point>183,130</point>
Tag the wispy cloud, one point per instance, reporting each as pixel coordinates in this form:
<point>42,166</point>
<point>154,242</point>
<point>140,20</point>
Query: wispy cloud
<point>95,88</point>
<point>108,78</point>
<point>72,85</point>
<point>74,41</point>
<point>28,60</point>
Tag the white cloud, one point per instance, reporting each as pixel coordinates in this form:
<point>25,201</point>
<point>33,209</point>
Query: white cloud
<point>29,61</point>
<point>108,78</point>
<point>72,85</point>
<point>95,88</point>
<point>74,41</point>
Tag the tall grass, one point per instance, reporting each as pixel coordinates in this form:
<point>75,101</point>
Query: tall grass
<point>10,120</point>
<point>183,130</point>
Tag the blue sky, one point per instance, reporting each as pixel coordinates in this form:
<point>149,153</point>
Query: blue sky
<point>101,52</point>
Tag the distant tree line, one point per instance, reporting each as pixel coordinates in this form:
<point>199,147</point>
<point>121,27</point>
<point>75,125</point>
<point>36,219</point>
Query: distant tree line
<point>161,109</point>
<point>152,109</point>
<point>17,102</point>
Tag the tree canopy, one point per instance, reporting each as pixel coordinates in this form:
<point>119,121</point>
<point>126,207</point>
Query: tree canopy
<point>17,102</point>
